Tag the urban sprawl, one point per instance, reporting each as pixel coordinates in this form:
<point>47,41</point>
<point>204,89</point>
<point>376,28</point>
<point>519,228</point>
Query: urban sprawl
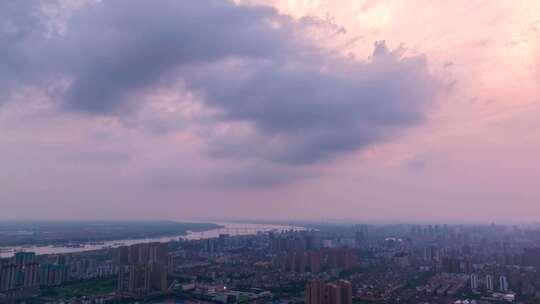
<point>324,264</point>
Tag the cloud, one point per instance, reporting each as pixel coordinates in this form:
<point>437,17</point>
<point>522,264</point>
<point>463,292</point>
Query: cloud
<point>313,108</point>
<point>250,175</point>
<point>418,162</point>
<point>252,65</point>
<point>19,26</point>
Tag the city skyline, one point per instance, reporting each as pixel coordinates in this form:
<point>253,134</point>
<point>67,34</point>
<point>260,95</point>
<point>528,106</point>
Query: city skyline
<point>372,111</point>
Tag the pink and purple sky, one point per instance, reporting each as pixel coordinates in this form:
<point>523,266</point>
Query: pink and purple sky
<point>374,110</point>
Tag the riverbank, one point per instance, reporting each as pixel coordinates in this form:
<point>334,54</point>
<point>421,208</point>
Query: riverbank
<point>23,233</point>
<point>215,229</point>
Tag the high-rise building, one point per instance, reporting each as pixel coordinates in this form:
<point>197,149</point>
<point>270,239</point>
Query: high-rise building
<point>143,268</point>
<point>531,257</point>
<point>346,291</point>
<point>139,279</point>
<point>332,294</point>
<point>431,254</point>
<point>450,264</point>
<point>318,292</point>
<point>8,277</point>
<point>341,258</point>
<point>301,261</point>
<point>145,253</point>
<point>158,276</point>
<point>315,261</point>
<point>489,282</point>
<point>30,273</point>
<point>19,272</point>
<point>157,253</point>
<point>171,264</point>
<point>474,281</point>
<point>53,274</point>
<point>62,259</point>
<point>290,261</point>
<point>314,292</point>
<point>23,258</point>
<point>503,284</point>
<point>360,235</point>
<point>467,265</point>
<point>123,255</point>
<point>123,278</point>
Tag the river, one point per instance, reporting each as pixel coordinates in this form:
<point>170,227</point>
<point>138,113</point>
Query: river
<point>228,228</point>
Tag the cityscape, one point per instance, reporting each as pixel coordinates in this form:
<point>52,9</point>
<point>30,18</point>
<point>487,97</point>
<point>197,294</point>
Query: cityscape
<point>320,264</point>
<point>269,151</point>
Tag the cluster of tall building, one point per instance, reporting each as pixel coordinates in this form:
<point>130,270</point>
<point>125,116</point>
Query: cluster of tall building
<point>459,260</point>
<point>428,230</point>
<point>431,254</point>
<point>143,268</point>
<point>54,274</point>
<point>297,241</point>
<point>447,261</point>
<point>531,257</point>
<point>488,283</point>
<point>20,272</point>
<point>457,265</point>
<point>319,292</point>
<point>315,261</point>
<point>302,261</point>
<point>23,272</point>
<point>361,234</point>
<point>215,245</point>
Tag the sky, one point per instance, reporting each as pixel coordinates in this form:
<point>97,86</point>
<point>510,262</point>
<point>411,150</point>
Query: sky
<point>363,110</point>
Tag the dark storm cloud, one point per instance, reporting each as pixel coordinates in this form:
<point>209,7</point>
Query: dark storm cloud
<point>246,61</point>
<point>129,46</point>
<point>21,31</point>
<point>318,107</point>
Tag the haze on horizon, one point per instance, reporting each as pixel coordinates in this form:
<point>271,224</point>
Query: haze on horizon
<point>270,109</point>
